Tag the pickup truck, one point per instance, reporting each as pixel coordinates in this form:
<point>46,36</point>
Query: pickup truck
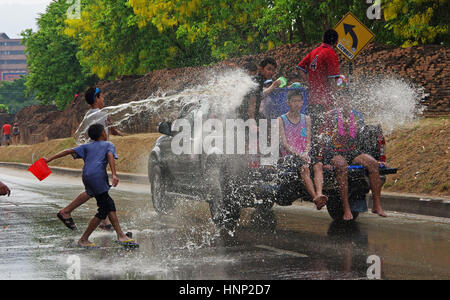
<point>231,182</point>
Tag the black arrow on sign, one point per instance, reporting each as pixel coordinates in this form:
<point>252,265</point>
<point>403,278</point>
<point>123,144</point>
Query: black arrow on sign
<point>349,29</point>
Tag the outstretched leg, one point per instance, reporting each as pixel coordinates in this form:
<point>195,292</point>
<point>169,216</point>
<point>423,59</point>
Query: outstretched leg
<point>77,202</point>
<point>340,165</point>
<point>371,165</point>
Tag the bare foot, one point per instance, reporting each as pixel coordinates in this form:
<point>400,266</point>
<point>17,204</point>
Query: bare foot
<point>347,216</point>
<point>379,212</point>
<point>320,201</point>
<point>123,238</point>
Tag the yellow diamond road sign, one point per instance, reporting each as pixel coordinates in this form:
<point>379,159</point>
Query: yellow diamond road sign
<point>353,36</point>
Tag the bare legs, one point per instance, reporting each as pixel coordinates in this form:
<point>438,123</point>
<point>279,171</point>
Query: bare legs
<point>318,198</point>
<point>340,165</point>
<point>368,162</point>
<point>374,179</point>
<point>77,202</point>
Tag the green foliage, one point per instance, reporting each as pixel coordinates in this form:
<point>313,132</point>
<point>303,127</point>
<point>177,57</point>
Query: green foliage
<point>55,73</point>
<point>418,21</point>
<point>4,108</point>
<point>125,37</point>
<point>13,95</point>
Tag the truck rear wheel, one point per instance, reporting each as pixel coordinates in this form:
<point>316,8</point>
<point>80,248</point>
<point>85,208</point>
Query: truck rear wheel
<point>334,207</point>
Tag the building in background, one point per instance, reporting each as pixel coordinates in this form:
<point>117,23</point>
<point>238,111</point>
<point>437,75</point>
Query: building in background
<point>13,62</point>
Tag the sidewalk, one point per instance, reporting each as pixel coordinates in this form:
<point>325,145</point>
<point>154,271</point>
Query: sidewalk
<point>400,202</point>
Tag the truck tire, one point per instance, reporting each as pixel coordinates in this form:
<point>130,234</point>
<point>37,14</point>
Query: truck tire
<point>161,202</point>
<point>225,212</point>
<point>334,207</point>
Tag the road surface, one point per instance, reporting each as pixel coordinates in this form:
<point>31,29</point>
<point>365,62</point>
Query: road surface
<point>185,245</point>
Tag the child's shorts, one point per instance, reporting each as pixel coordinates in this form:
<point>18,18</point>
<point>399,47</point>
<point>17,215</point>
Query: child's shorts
<point>349,156</point>
<point>105,205</point>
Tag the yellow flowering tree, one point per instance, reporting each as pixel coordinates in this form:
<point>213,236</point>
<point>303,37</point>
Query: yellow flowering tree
<point>226,27</point>
<point>418,21</point>
<point>112,43</point>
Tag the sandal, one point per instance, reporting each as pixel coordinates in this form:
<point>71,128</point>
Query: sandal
<point>89,246</point>
<point>67,222</point>
<point>128,243</point>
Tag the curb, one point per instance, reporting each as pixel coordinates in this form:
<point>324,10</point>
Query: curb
<point>406,203</point>
<point>414,204</point>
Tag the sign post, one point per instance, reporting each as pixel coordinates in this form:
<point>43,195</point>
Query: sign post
<point>353,38</point>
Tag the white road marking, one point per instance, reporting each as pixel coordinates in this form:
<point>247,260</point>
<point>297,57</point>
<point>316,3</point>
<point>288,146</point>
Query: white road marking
<point>281,251</point>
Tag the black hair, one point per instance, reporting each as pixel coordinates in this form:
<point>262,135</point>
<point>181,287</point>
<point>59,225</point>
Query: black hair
<point>330,37</point>
<point>89,95</point>
<point>293,93</point>
<point>95,131</point>
<point>268,61</point>
<point>250,67</point>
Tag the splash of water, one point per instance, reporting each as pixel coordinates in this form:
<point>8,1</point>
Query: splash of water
<point>226,89</point>
<point>389,101</point>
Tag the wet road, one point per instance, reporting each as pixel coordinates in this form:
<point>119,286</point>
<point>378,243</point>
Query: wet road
<point>305,245</point>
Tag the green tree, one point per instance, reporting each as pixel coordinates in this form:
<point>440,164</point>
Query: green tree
<point>4,108</point>
<point>418,21</point>
<point>289,21</point>
<point>111,42</point>
<point>226,28</point>
<point>55,74</point>
<point>13,95</point>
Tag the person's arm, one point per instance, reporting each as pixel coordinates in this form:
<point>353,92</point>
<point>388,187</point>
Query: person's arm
<point>276,84</point>
<point>115,131</point>
<point>4,190</point>
<point>303,67</point>
<point>112,165</point>
<point>59,155</point>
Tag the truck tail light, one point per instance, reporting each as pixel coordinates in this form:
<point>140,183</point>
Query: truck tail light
<point>381,148</point>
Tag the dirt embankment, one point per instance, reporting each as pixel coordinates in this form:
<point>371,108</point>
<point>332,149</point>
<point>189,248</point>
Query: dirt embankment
<point>425,65</point>
<point>132,151</point>
<point>421,152</point>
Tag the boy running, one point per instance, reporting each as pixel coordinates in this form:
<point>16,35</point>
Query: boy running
<point>97,155</point>
<point>295,135</point>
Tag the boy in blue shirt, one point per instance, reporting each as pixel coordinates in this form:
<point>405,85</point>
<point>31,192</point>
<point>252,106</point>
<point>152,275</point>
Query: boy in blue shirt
<point>97,155</point>
<point>94,97</point>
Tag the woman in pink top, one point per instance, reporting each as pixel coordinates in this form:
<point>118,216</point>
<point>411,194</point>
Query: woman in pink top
<point>295,137</point>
